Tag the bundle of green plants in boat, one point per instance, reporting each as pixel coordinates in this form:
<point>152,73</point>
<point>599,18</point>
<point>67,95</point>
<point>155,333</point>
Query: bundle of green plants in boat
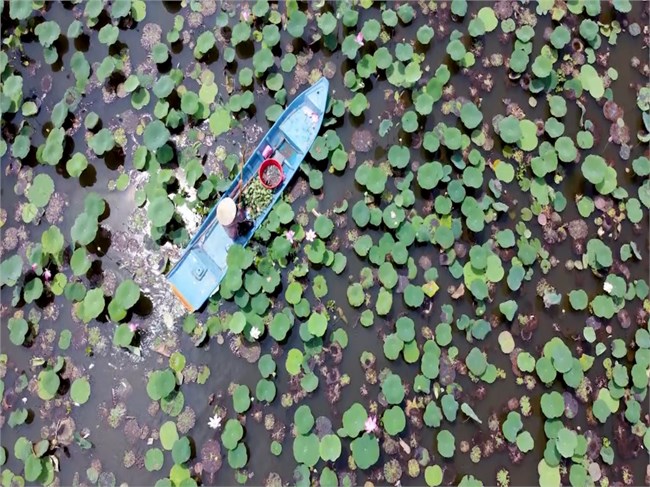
<point>256,198</point>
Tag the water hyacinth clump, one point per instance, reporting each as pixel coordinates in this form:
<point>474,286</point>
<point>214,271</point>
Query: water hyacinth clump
<point>452,289</point>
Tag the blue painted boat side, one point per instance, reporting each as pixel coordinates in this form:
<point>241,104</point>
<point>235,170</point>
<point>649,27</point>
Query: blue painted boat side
<point>199,271</point>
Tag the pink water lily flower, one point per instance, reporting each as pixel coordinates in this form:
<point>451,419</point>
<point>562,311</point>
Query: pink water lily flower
<point>133,327</point>
<point>289,235</point>
<point>310,235</point>
<point>47,275</point>
<point>359,38</point>
<point>34,267</point>
<point>371,424</point>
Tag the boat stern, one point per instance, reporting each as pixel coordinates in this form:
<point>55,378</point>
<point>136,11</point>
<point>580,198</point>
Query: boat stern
<point>193,279</point>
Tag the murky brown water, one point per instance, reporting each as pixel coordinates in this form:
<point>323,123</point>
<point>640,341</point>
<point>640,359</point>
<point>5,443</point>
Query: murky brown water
<point>113,369</point>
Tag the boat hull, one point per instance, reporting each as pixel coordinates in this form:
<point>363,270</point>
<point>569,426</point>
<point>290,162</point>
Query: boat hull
<point>199,271</point>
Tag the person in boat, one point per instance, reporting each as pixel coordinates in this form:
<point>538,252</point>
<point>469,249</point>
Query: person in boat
<point>233,219</point>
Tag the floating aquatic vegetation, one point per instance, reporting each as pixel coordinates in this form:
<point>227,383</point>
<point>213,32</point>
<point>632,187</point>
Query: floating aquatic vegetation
<point>469,184</point>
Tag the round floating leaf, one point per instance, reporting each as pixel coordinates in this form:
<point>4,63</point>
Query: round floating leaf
<point>280,326</point>
<point>40,191</point>
<point>33,290</point>
<point>127,294</point>
<point>237,322</point>
<point>154,459</point>
<point>303,419</point>
<point>365,451</point>
<point>394,420</point>
<point>265,390</point>
<point>33,467</point>
<point>552,404</point>
<point>356,295</point>
<point>429,175</point>
<point>446,444</point>
<point>433,473</point>
<point>18,329</point>
<point>47,32</point>
<point>399,156</point>
<point>294,360</point>
<point>161,383</point>
<point>48,384</point>
<point>508,308</point>
<point>525,442</point>
<point>306,449</point>
<point>358,104</point>
<point>354,420</point>
<point>182,450</point>
<point>566,442</point>
<point>506,342</point>
<point>548,476</point>
<point>330,448</point>
<point>155,135</point>
<point>413,296</point>
<point>232,433</point>
<point>92,305</point>
<point>317,324</point>
<point>84,229</point>
<point>594,168</point>
<point>471,115</point>
<point>102,142</point>
<point>591,81</point>
<point>11,270</point>
<point>241,398</point>
<point>80,390</point>
<point>160,211</point>
<point>510,129</point>
<point>393,345</point>
<point>393,389</point>
<point>476,362</point>
<point>323,226</point>
<point>512,426</point>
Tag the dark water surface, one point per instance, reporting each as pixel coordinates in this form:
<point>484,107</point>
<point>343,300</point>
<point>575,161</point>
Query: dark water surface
<point>113,370</point>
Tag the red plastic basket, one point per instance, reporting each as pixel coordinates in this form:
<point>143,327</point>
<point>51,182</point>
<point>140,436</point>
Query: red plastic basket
<point>265,164</point>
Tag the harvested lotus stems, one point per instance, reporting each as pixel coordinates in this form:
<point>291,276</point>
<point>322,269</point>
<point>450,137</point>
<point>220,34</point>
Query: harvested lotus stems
<point>256,198</point>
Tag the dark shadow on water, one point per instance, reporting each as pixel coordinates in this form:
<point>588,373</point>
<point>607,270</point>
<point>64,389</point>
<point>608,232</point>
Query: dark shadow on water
<point>166,66</point>
<point>82,43</point>
<point>88,177</point>
<point>144,306</point>
<point>114,80</point>
<point>171,6</point>
<point>117,48</point>
<point>115,158</point>
<point>176,47</point>
<point>210,57</point>
<point>245,50</point>
<point>64,385</point>
<point>62,46</point>
<point>95,272</point>
<point>102,242</point>
<point>103,19</point>
<point>107,212</point>
<point>46,298</point>
<point>30,159</point>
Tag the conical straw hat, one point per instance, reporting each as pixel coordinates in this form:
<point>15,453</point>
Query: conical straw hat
<point>226,211</point>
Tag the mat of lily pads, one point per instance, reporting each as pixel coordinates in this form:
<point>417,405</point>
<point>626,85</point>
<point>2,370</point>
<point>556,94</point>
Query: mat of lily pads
<point>453,289</point>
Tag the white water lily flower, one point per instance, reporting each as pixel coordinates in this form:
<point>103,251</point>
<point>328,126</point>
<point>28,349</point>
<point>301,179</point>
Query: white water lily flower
<point>310,235</point>
<point>215,422</point>
<point>256,332</point>
<point>607,286</point>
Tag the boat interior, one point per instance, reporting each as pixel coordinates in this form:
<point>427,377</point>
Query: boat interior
<point>288,142</point>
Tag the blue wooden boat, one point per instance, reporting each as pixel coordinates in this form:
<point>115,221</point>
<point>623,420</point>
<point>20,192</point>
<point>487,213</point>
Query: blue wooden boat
<point>198,273</point>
